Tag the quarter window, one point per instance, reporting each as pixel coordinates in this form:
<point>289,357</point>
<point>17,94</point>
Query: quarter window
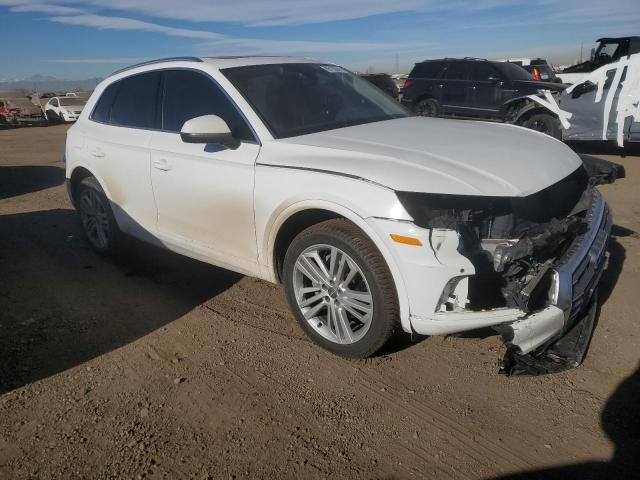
<point>427,70</point>
<point>190,94</point>
<point>102,110</point>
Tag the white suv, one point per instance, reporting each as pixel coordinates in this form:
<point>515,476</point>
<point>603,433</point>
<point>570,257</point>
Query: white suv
<point>299,172</point>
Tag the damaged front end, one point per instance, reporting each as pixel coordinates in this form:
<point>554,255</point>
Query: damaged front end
<point>537,261</point>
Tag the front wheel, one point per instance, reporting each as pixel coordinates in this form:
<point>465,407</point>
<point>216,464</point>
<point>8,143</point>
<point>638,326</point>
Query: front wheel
<point>340,289</point>
<point>544,123</point>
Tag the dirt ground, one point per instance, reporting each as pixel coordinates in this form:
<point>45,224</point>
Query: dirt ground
<point>156,366</point>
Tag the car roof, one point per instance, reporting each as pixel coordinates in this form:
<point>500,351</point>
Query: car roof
<point>223,61</point>
<point>616,39</point>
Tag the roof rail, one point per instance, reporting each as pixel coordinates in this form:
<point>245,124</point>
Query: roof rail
<point>159,60</point>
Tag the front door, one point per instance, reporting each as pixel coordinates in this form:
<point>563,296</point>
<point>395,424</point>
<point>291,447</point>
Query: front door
<point>204,192</point>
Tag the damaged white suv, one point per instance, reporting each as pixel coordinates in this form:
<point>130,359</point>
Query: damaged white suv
<point>299,172</point>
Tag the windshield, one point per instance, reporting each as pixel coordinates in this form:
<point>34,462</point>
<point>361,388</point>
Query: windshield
<point>513,71</point>
<point>607,50</point>
<point>299,98</point>
<point>72,101</point>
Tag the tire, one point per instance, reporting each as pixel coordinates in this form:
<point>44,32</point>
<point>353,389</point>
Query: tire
<point>427,107</point>
<point>51,116</point>
<point>337,304</point>
<point>544,123</point>
<point>97,220</point>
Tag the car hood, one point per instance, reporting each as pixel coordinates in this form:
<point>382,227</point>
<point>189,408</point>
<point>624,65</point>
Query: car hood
<point>433,155</point>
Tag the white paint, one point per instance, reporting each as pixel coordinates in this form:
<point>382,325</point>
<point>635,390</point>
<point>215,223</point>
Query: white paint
<point>549,102</point>
<point>628,98</point>
<point>435,155</point>
<point>225,207</point>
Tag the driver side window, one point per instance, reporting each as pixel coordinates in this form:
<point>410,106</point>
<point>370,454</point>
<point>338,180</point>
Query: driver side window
<point>189,94</point>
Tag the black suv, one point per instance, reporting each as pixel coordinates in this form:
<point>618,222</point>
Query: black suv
<point>383,81</point>
<point>538,68</point>
<point>475,88</point>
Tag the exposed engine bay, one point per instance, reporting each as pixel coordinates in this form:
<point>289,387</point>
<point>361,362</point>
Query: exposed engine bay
<point>514,243</point>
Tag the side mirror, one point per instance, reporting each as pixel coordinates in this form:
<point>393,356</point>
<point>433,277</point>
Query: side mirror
<point>208,129</point>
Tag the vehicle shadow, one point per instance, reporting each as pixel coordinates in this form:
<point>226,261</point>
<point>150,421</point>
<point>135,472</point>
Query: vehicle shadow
<point>62,305</point>
<point>19,180</point>
<point>617,256</point>
<point>601,147</point>
<point>621,423</point>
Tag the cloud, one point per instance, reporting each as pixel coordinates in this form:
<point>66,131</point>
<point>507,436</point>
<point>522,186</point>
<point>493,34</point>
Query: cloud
<point>97,61</point>
<point>216,43</point>
<point>46,8</point>
<point>263,13</point>
<point>103,22</point>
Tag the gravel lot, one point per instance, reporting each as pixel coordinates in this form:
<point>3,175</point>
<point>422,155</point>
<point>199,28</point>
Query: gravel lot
<point>156,366</point>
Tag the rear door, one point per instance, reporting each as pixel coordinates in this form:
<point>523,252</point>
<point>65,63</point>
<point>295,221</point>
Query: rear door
<point>456,88</point>
<point>204,192</point>
<point>485,91</point>
<point>117,144</point>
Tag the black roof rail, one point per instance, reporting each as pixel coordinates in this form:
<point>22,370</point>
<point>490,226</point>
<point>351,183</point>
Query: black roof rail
<point>159,60</point>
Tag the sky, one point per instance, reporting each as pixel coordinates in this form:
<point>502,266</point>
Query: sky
<point>78,39</point>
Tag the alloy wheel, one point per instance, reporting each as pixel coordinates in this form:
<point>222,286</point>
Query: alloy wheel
<point>333,294</point>
<point>93,213</point>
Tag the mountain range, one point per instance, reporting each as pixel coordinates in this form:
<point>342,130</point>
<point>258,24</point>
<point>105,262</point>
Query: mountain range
<point>45,83</point>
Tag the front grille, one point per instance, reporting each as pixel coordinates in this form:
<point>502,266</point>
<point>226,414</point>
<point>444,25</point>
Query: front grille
<point>581,267</point>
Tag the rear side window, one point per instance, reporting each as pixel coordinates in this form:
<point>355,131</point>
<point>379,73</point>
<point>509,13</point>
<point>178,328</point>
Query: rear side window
<point>189,95</point>
<point>427,70</point>
<point>135,103</point>
<point>458,71</point>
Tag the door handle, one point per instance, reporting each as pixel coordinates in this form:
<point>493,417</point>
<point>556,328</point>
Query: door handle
<point>97,153</point>
<point>161,164</point>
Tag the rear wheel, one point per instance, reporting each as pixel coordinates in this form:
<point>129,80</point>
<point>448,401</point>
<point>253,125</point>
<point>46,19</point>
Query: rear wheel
<point>97,219</point>
<point>340,289</point>
<point>427,107</point>
<point>544,123</point>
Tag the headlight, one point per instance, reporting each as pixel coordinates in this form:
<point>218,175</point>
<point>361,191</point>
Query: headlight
<point>433,210</point>
<point>554,288</point>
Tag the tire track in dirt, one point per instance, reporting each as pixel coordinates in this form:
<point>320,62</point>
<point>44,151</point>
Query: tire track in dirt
<point>447,427</point>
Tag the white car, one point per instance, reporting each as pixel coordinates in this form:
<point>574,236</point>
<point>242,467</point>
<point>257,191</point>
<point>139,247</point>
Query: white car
<point>375,220</point>
<point>64,109</point>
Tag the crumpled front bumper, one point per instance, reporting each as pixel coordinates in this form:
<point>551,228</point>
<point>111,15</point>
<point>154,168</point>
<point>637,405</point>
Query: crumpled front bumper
<point>538,348</point>
<point>576,279</point>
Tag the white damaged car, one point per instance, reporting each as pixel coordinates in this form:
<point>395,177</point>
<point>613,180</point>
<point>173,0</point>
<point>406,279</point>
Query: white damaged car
<point>64,109</point>
<point>375,220</point>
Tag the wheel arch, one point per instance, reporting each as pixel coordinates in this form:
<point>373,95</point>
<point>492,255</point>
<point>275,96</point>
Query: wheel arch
<point>425,96</point>
<point>301,215</point>
<point>78,173</point>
